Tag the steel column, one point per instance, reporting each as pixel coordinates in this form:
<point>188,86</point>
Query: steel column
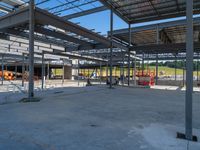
<point>184,75</point>
<point>157,41</point>
<point>189,70</point>
<point>31,49</point>
<point>142,63</point>
<point>129,31</point>
<point>63,75</point>
<point>16,71</point>
<point>43,70</point>
<point>197,69</point>
<point>2,69</point>
<point>134,71</point>
<point>107,69</point>
<point>123,70</point>
<point>78,72</point>
<point>175,67</point>
<point>100,72</point>
<point>48,71</point>
<point>111,45</point>
<point>23,69</point>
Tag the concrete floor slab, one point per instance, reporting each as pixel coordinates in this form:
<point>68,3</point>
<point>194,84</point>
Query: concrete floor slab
<point>98,118</point>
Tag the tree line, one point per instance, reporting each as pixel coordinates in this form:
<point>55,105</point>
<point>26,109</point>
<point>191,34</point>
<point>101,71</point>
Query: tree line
<point>178,64</point>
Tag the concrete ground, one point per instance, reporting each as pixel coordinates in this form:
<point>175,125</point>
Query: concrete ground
<point>98,118</point>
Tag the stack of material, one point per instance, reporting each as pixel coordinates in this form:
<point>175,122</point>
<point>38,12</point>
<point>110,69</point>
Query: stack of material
<point>146,78</point>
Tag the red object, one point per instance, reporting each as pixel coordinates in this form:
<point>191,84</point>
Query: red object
<point>146,77</point>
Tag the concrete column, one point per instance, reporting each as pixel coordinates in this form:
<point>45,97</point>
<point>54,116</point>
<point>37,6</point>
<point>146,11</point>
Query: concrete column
<point>31,49</point>
<point>129,31</point>
<point>189,70</point>
<point>111,45</point>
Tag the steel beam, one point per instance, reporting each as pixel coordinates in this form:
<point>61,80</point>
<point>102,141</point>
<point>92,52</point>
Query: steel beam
<point>15,18</point>
<point>163,48</point>
<point>45,18</point>
<point>84,13</point>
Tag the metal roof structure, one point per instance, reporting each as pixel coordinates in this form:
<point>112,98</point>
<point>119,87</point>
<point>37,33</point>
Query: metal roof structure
<point>172,37</point>
<point>137,11</point>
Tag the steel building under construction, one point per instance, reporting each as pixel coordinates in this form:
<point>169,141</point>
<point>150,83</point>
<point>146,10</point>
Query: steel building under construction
<point>66,86</point>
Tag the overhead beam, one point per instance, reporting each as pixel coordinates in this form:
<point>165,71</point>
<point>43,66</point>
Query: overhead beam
<point>164,36</point>
<point>45,18</point>
<point>14,19</point>
<point>84,13</point>
<point>153,26</point>
<point>110,6</point>
<point>163,48</point>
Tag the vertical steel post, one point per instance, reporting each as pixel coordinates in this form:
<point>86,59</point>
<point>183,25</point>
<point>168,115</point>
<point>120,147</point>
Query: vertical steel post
<point>143,64</point>
<point>43,70</point>
<point>184,74</point>
<point>16,71</point>
<point>123,70</point>
<point>135,71</point>
<point>63,69</point>
<point>129,32</point>
<point>189,69</point>
<point>31,48</point>
<point>198,68</point>
<point>2,69</point>
<point>78,72</point>
<point>48,70</point>
<point>158,41</point>
<point>100,72</point>
<point>132,69</point>
<point>107,69</point>
<point>23,69</point>
<point>111,45</point>
<point>175,67</point>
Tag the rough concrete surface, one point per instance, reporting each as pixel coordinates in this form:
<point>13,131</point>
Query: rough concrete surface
<point>98,118</point>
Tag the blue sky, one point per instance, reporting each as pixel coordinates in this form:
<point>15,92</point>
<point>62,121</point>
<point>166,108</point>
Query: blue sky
<point>98,21</point>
